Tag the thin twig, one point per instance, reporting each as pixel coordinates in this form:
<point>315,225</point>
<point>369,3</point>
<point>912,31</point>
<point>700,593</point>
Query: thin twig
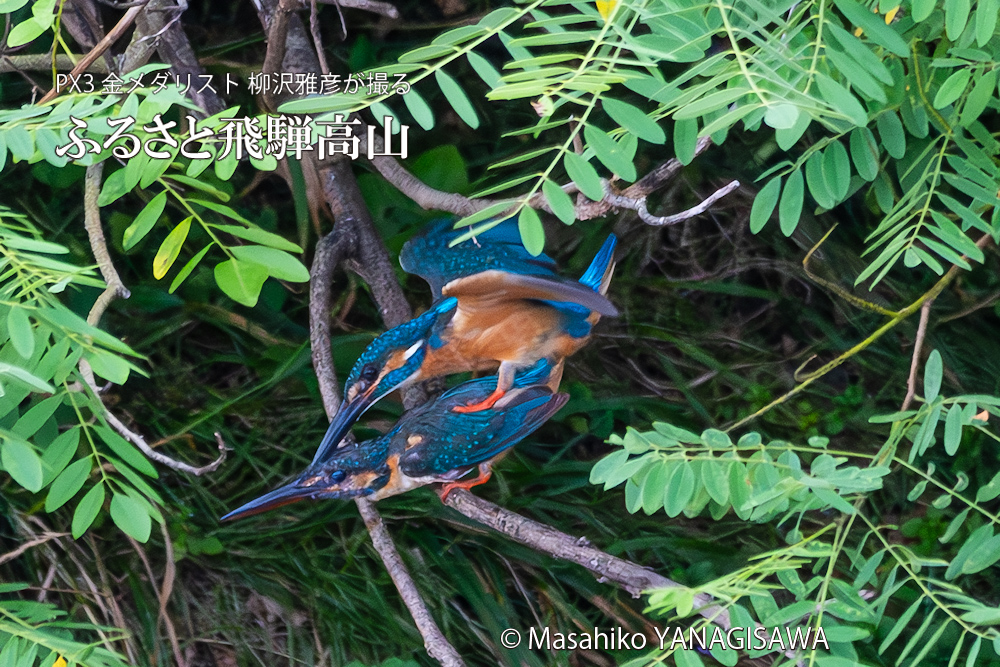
<point>639,205</point>
<point>317,38</point>
<point>45,537</point>
<point>911,382</point>
<point>900,315</point>
<point>115,288</point>
<point>99,49</point>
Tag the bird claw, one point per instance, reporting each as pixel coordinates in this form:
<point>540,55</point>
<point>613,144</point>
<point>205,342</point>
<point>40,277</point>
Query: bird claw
<point>486,404</point>
<point>482,478</point>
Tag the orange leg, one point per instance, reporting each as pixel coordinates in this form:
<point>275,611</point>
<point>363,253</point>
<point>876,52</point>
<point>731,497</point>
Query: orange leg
<point>482,405</point>
<point>485,472</point>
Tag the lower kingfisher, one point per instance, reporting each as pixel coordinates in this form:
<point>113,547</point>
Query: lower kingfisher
<point>430,444</point>
<point>498,306</point>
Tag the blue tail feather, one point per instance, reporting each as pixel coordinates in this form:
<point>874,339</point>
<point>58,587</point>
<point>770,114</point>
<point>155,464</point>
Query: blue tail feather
<point>599,265</point>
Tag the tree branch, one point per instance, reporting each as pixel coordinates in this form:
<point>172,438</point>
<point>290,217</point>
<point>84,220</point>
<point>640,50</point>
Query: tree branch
<point>115,288</point>
<point>633,578</point>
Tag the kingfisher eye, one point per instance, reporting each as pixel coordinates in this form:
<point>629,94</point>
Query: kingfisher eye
<point>369,373</point>
<point>337,476</point>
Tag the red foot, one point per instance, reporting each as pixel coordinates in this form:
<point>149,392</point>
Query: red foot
<point>482,478</point>
<point>482,405</point>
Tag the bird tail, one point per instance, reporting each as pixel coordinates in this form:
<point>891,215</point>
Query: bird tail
<point>602,267</point>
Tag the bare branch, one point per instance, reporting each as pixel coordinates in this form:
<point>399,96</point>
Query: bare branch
<point>374,6</point>
<point>101,47</point>
<point>632,577</point>
<point>115,288</point>
<point>911,381</point>
<point>639,205</point>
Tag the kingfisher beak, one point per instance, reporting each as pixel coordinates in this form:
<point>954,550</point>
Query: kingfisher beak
<point>348,413</point>
<point>281,496</point>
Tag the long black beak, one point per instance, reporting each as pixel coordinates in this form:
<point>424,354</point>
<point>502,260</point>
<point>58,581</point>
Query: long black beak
<point>341,424</point>
<point>284,495</point>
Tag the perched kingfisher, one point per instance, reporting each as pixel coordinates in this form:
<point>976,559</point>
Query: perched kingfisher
<point>501,307</point>
<point>430,444</point>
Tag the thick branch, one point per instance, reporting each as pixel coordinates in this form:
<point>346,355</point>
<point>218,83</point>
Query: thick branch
<point>632,577</point>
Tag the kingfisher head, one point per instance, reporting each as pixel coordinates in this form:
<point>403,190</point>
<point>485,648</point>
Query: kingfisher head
<point>391,361</point>
<point>350,473</point>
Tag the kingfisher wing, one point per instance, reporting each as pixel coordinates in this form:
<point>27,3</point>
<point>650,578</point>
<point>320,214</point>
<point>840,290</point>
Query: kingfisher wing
<point>429,256</point>
<point>487,289</point>
<point>443,440</point>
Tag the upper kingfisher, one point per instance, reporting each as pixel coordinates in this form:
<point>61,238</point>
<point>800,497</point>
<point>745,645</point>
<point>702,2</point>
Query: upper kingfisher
<point>495,304</point>
<point>429,444</point>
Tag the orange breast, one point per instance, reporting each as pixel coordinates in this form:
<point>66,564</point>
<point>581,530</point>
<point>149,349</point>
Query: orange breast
<point>516,331</point>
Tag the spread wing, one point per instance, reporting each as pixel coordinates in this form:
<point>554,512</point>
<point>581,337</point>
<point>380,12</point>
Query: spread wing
<point>427,254</point>
<point>488,288</point>
<point>450,440</point>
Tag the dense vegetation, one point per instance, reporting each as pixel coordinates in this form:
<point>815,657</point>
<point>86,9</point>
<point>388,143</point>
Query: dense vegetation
<point>795,413</point>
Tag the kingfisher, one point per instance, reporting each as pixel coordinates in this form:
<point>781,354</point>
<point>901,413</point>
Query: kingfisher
<point>498,307</point>
<point>430,444</point>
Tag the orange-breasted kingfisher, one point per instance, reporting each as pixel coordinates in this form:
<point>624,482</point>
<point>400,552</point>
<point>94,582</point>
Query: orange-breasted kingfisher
<point>430,444</point>
<point>510,309</point>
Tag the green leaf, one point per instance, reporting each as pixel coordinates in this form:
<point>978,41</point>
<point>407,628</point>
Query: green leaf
<point>419,109</point>
<point>258,235</point>
<point>113,189</point>
<point>952,88</point>
<point>610,152</point>
<point>171,248</point>
<point>188,268</point>
<point>485,70</point>
<point>764,203</point>
<point>144,222</point>
<point>782,116</point>
<point>109,366</point>
<point>715,478</point>
<point>922,9</point>
<point>22,462</point>
<point>679,489</point>
<point>842,100</point>
<point>36,416</point>
<point>559,202</point>
<point>855,74</point>
<point>584,175</point>
<point>790,208</point>
<point>67,484</point>
<point>278,263</point>
<point>532,232</point>
<point>634,120</point>
<point>864,151</point>
<point>127,451</point>
<point>956,15</point>
<point>890,129</point>
<point>25,32</point>
<point>685,139</point>
<point>130,516</point>
<point>816,181</point>
<point>955,524</point>
<point>900,624</point>
<point>22,335</point>
<point>836,170</point>
<point>953,430</point>
<point>202,186</point>
<point>241,281</point>
<point>986,23</point>
<point>87,510</point>
<point>874,27</point>
<point>990,491</point>
<point>457,98</point>
<point>979,98</point>
<point>933,372</point>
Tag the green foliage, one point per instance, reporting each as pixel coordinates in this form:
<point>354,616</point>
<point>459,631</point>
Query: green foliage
<point>40,347</point>
<point>33,633</point>
<point>677,471</point>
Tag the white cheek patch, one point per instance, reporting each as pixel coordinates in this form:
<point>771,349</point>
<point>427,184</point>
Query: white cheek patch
<point>412,350</point>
